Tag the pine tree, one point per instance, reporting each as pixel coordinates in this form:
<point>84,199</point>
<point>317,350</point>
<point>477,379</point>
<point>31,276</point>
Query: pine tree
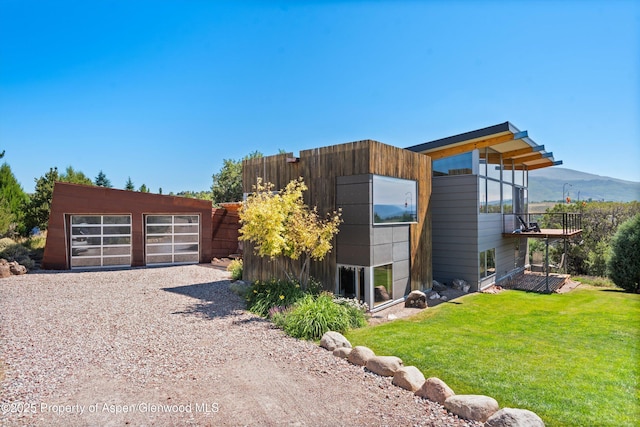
<point>75,177</point>
<point>37,214</point>
<point>143,189</point>
<point>102,180</point>
<point>12,201</point>
<point>129,185</point>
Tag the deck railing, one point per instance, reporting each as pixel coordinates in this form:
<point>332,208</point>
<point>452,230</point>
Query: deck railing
<point>568,222</point>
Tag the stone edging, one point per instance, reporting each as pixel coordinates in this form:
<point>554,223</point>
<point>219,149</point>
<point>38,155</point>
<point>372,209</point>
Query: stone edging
<point>473,407</point>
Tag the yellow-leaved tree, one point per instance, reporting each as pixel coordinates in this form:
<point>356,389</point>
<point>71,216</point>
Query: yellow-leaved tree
<point>281,224</point>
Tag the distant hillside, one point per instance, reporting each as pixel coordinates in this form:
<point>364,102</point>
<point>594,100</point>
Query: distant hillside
<point>547,183</point>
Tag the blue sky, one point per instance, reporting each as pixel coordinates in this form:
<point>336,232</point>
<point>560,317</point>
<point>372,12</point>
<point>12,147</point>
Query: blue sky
<point>163,91</point>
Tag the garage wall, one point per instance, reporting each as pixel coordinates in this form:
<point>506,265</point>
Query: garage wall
<point>73,199</point>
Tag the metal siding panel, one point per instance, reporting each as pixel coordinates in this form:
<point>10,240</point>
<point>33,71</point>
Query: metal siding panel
<point>382,254</point>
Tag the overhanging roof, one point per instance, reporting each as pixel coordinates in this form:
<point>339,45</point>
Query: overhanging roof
<point>514,145</point>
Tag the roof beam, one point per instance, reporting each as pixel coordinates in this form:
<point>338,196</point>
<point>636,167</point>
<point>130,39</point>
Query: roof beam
<point>464,148</point>
<point>534,156</point>
<point>522,151</point>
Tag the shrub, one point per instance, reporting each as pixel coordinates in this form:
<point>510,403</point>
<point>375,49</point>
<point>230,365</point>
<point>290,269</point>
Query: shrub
<point>623,267</point>
<point>5,243</point>
<point>263,296</point>
<point>312,316</point>
<point>16,252</point>
<point>235,267</point>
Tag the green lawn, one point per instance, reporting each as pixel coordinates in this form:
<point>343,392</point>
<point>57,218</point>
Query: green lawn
<point>571,358</point>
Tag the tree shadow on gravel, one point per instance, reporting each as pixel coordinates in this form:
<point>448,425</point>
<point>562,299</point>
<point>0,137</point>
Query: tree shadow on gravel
<point>216,300</point>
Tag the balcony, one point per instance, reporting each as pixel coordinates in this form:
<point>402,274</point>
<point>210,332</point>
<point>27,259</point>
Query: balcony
<point>542,225</point>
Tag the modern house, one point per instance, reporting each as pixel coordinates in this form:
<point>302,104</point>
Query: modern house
<point>453,208</point>
<point>97,227</point>
<point>479,198</point>
<point>383,249</point>
<point>446,209</point>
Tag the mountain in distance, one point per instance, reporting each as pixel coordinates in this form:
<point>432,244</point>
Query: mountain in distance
<point>546,185</point>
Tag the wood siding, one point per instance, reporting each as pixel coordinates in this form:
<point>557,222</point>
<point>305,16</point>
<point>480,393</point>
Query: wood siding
<point>320,169</point>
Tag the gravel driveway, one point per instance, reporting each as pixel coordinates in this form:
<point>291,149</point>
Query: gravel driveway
<point>173,346</point>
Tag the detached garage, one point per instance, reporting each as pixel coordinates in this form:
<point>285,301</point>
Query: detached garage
<point>97,227</point>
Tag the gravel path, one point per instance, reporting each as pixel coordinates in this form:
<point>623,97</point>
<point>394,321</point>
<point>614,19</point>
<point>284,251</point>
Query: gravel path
<point>173,346</point>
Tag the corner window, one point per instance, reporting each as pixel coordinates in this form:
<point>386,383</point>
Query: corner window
<point>487,263</point>
<point>395,201</point>
<point>382,284</point>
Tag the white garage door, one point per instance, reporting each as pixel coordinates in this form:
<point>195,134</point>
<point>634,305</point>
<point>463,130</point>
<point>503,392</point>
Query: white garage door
<point>172,239</point>
<point>100,241</point>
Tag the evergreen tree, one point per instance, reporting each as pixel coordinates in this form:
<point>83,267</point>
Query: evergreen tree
<point>160,190</point>
<point>129,185</point>
<point>12,202</point>
<point>75,177</point>
<point>227,184</point>
<point>143,189</point>
<point>37,213</point>
<point>102,180</point>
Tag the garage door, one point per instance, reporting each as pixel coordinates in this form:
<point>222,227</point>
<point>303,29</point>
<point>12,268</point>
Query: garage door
<point>172,239</point>
<point>100,241</point>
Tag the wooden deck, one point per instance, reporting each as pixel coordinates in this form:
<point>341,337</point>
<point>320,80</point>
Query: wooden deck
<point>546,233</point>
<point>535,282</point>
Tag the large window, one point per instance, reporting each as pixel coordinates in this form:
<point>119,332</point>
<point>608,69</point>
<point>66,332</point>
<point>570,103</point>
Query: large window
<point>394,200</point>
<point>462,164</point>
<point>487,263</point>
<point>351,282</point>
<point>382,284</point>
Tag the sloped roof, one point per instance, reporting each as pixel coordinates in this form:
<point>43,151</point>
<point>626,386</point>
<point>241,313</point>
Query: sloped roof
<point>504,138</point>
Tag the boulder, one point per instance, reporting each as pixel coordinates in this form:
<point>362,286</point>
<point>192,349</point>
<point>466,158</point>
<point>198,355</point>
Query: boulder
<point>437,286</point>
<point>416,299</point>
<point>472,406</point>
<point>510,417</point>
<point>5,270</point>
<point>342,352</point>
<point>409,378</point>
<point>444,298</point>
<point>460,285</point>
<point>385,366</point>
<point>360,354</point>
<point>435,390</point>
<point>332,340</point>
<point>17,269</point>
<point>381,294</point>
<point>434,295</point>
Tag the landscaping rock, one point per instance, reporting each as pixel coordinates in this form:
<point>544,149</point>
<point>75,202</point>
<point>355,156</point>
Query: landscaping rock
<point>409,378</point>
<point>381,294</point>
<point>385,366</point>
<point>332,340</point>
<point>460,285</point>
<point>17,269</point>
<point>342,352</point>
<point>5,270</point>
<point>444,298</point>
<point>437,286</point>
<point>416,299</point>
<point>472,406</point>
<point>360,354</point>
<point>510,417</point>
<point>434,295</point>
<point>435,390</point>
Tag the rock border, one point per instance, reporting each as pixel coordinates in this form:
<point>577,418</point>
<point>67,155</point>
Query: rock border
<point>471,407</point>
<point>12,268</point>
